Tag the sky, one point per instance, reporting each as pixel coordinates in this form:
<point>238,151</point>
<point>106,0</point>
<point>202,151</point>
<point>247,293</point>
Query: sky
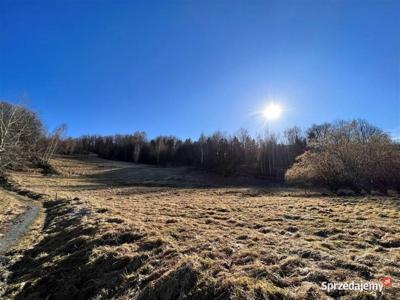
<point>185,67</point>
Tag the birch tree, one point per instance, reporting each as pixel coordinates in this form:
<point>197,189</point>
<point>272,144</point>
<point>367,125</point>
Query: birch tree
<point>20,129</point>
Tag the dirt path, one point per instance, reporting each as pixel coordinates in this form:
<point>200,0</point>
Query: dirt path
<point>20,225</point>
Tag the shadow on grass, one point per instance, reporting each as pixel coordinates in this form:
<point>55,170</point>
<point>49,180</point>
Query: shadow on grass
<point>178,177</point>
<point>61,267</point>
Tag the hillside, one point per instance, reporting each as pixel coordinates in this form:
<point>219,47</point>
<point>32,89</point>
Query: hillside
<point>123,231</point>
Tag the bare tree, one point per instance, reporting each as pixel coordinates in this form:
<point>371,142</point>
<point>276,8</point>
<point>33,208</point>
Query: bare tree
<point>139,138</point>
<point>20,129</point>
<point>203,144</point>
<point>52,142</point>
<point>160,147</point>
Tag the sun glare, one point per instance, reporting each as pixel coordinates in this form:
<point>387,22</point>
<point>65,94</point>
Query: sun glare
<point>272,112</point>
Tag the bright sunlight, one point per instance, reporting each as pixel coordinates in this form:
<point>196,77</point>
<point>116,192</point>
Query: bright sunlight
<point>273,111</point>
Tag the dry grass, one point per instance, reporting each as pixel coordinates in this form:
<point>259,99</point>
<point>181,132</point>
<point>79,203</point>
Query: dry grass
<point>10,209</point>
<point>137,232</point>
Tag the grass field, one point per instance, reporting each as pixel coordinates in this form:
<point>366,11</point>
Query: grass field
<point>125,231</point>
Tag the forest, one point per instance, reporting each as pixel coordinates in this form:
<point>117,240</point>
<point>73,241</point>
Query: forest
<point>266,156</point>
<point>344,154</point>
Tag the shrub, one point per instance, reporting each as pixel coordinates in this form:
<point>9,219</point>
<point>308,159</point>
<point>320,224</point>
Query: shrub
<point>352,155</point>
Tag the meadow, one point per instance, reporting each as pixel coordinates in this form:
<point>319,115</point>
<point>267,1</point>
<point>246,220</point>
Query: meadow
<point>116,230</point>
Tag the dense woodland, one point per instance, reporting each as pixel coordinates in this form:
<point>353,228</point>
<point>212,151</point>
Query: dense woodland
<point>345,154</point>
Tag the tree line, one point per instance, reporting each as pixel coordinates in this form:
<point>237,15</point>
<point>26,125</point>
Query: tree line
<point>266,156</point>
<point>345,154</point>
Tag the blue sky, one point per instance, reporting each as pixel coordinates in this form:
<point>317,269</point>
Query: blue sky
<point>186,67</point>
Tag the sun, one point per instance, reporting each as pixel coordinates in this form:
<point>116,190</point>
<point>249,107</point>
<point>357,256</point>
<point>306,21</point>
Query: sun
<point>273,111</point>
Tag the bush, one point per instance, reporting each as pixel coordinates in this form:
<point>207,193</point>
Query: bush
<point>352,155</point>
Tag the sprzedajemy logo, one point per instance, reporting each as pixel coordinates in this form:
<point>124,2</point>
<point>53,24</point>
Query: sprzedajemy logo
<point>386,282</point>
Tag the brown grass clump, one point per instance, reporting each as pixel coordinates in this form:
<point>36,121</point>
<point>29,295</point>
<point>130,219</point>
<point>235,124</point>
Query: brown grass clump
<point>310,291</point>
<point>10,209</point>
<point>120,239</point>
<point>249,288</point>
<point>175,284</point>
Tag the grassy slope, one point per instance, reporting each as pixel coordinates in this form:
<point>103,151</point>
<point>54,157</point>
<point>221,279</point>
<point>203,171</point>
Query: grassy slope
<point>129,236</point>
